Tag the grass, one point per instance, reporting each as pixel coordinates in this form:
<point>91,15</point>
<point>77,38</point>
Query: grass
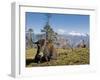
<point>78,56</point>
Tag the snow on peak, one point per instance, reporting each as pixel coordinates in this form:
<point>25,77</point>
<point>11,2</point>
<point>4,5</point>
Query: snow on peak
<point>77,34</point>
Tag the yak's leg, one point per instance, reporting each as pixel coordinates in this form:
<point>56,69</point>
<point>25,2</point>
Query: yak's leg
<point>46,58</point>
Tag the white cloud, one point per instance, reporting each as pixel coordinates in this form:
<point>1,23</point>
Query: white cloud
<point>77,33</point>
<point>61,31</point>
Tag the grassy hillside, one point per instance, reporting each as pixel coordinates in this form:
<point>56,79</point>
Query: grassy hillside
<point>78,56</point>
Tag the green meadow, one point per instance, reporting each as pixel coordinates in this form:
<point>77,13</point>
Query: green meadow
<point>77,56</point>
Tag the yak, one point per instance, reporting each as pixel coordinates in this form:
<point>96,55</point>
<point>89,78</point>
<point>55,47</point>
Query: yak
<point>45,51</point>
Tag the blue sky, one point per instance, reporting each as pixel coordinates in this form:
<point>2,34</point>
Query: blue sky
<point>61,23</point>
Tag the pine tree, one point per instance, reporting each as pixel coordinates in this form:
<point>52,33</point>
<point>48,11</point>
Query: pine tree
<point>49,33</point>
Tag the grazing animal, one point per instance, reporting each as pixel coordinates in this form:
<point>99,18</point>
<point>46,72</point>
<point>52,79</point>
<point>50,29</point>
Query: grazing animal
<point>45,51</point>
<point>39,54</point>
<point>49,51</point>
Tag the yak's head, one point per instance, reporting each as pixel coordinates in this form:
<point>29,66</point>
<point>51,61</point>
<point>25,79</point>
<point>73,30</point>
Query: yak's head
<point>40,42</point>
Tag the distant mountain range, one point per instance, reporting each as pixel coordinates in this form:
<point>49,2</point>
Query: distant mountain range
<point>73,38</point>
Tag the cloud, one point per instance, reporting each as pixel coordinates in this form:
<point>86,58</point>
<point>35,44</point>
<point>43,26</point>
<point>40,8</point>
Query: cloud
<point>61,31</point>
<point>77,33</point>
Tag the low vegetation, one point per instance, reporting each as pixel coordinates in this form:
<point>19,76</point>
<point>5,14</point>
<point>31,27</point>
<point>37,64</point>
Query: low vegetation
<point>77,56</point>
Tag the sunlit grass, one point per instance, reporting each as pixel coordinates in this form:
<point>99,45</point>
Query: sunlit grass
<point>78,56</point>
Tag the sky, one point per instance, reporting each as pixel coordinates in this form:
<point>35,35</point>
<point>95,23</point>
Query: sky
<point>61,23</point>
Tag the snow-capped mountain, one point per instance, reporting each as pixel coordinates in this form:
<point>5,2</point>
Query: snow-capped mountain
<point>77,34</point>
<point>73,37</point>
